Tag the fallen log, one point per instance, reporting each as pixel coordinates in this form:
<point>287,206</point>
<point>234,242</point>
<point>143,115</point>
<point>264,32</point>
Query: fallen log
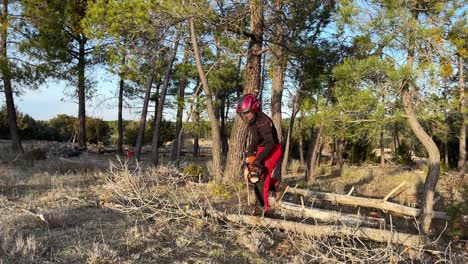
<point>366,202</point>
<point>364,233</point>
<point>329,216</point>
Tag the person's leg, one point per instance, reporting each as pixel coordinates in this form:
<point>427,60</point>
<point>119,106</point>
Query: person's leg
<point>270,165</point>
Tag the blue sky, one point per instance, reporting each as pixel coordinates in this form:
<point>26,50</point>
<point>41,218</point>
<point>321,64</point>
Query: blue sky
<point>50,100</point>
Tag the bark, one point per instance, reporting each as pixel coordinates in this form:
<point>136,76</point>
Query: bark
<point>381,204</point>
<point>177,144</point>
<point>144,111</point>
<point>81,94</point>
<point>429,145</point>
<point>215,131</point>
<point>238,137</point>
<point>162,99</point>
<point>7,85</point>
<point>462,137</point>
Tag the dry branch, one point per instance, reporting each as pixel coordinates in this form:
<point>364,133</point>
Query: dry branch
<point>367,202</point>
<point>378,235</point>
<point>330,216</point>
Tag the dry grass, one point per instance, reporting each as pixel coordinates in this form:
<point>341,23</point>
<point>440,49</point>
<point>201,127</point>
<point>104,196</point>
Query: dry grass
<point>77,212</point>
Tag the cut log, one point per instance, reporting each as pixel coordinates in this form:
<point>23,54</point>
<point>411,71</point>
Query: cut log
<point>364,233</point>
<point>329,216</point>
<point>366,202</point>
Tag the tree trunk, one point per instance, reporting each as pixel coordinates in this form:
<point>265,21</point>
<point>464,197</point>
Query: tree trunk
<point>287,145</point>
<point>462,137</point>
<point>144,111</point>
<point>252,84</point>
<point>7,86</point>
<point>332,156</point>
<point>196,121</point>
<point>382,149</point>
<point>162,99</point>
<point>224,138</point>
<point>397,137</point>
<point>320,231</point>
<point>120,117</point>
<point>429,145</point>
<point>280,59</point>
<point>215,132</point>
<point>349,200</point>
<point>301,141</point>
<point>81,94</point>
<point>340,152</point>
<point>176,146</point>
<point>311,168</point>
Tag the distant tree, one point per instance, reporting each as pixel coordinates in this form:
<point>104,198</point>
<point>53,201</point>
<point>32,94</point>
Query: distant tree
<point>6,74</point>
<point>98,131</point>
<point>215,131</point>
<point>28,127</point>
<point>59,38</point>
<point>414,29</point>
<point>64,125</point>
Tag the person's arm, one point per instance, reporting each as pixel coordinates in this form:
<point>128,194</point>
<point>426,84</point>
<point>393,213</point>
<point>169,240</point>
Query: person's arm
<point>252,149</point>
<point>266,130</point>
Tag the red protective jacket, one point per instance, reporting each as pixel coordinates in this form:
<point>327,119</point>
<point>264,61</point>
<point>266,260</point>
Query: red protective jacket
<point>264,135</point>
<point>265,144</point>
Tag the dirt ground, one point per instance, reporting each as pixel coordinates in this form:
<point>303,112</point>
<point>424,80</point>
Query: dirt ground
<point>80,210</point>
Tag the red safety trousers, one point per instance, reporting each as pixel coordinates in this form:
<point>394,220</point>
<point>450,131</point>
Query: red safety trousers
<point>270,164</point>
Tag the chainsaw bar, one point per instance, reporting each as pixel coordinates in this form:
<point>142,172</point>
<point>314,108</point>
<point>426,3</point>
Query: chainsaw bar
<point>258,189</point>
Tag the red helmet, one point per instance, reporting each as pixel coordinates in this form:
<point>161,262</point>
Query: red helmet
<point>247,103</point>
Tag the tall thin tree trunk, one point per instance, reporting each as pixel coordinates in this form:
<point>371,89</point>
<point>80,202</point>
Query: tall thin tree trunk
<point>340,146</point>
<point>224,138</point>
<point>144,111</point>
<point>311,168</point>
<point>196,121</point>
<point>252,83</point>
<point>176,146</point>
<point>431,148</point>
<point>6,76</point>
<point>120,117</point>
<point>294,111</point>
<point>397,137</point>
<point>332,156</point>
<point>280,59</point>
<point>215,132</point>
<point>462,137</point>
<point>162,99</point>
<point>301,141</point>
<point>382,149</point>
<point>81,94</point>
<point>287,145</point>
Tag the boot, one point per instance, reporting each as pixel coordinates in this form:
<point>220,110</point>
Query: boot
<point>280,188</point>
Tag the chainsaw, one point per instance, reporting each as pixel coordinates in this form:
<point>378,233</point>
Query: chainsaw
<point>255,176</point>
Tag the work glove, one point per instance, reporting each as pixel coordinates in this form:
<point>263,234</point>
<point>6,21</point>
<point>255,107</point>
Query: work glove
<point>257,163</point>
<point>250,160</point>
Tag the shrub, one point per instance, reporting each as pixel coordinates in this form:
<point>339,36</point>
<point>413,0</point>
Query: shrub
<point>192,170</point>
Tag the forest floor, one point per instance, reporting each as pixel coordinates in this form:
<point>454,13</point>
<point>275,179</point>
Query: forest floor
<point>101,208</point>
